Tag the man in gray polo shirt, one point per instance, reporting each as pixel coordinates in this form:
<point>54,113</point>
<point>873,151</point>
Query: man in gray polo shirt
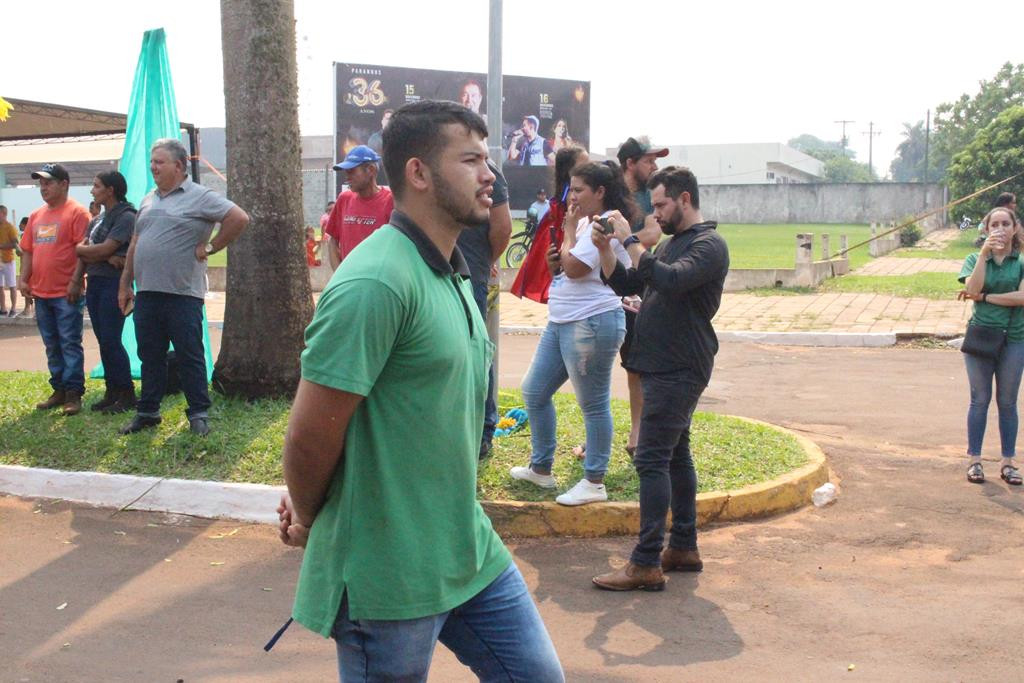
<point>167,261</point>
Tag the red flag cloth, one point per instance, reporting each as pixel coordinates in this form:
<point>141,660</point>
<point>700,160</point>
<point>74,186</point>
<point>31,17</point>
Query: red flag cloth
<point>534,278</point>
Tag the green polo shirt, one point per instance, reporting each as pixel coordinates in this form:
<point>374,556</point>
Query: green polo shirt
<point>999,279</point>
<point>401,530</point>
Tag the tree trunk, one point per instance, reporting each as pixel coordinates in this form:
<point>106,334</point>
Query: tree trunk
<point>269,302</point>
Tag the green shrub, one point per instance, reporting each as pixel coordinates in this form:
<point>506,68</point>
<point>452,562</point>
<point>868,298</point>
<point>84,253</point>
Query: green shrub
<point>910,235</point>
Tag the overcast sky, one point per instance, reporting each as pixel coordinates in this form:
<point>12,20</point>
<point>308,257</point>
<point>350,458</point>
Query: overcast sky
<point>681,73</point>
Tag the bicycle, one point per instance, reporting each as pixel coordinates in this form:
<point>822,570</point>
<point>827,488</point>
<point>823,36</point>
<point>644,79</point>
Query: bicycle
<point>520,243</point>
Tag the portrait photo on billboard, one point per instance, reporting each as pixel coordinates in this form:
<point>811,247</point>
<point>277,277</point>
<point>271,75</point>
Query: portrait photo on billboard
<point>541,116</point>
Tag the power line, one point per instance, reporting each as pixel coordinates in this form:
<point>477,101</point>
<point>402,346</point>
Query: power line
<point>843,140</point>
<point>871,144</point>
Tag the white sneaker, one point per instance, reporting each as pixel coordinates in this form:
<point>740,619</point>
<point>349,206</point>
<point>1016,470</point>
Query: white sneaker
<point>582,493</point>
<point>545,481</point>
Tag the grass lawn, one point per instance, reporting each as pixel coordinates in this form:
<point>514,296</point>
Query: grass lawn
<point>246,441</point>
<point>921,285</point>
<point>774,246</point>
<point>958,249</point>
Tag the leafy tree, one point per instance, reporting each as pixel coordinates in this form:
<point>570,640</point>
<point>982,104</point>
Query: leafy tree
<point>996,153</point>
<point>908,166</point>
<point>822,150</point>
<point>841,169</point>
<point>957,123</point>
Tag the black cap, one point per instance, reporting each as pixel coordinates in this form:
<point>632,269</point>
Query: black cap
<point>634,148</point>
<point>52,172</point>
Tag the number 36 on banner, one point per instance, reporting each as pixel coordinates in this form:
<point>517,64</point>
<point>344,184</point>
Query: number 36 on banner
<point>366,94</point>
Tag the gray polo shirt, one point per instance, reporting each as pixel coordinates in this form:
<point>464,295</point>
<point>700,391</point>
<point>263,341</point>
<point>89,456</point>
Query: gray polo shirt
<point>169,228</point>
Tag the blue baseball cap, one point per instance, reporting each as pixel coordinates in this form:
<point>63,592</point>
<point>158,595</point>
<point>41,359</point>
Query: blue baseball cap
<point>360,154</point>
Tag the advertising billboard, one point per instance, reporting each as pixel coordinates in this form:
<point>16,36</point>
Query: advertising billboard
<point>540,115</point>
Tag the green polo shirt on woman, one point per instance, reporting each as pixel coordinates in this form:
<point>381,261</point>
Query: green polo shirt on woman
<point>401,531</point>
<point>999,279</point>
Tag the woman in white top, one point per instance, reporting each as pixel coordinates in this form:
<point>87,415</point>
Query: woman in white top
<point>586,325</point>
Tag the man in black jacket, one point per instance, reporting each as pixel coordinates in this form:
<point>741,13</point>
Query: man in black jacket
<point>673,351</point>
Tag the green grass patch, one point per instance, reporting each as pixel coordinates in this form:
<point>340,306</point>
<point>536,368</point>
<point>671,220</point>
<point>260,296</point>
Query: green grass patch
<point>246,441</point>
<point>958,249</point>
<point>921,285</point>
<point>774,246</point>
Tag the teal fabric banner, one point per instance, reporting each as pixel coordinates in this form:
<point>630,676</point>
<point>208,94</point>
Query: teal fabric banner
<point>152,114</point>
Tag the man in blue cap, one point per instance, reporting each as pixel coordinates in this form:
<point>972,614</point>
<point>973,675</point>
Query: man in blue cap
<point>361,209</point>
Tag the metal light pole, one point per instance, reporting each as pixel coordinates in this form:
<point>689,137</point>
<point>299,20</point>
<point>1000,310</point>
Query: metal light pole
<point>494,133</point>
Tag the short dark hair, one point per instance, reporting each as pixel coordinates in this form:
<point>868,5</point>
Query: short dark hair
<point>23,221</point>
<point>415,132</point>
<point>116,182</point>
<point>676,180</point>
<point>608,174</point>
<point>1005,199</point>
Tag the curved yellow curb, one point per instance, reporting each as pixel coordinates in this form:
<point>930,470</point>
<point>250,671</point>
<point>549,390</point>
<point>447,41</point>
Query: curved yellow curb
<point>788,492</point>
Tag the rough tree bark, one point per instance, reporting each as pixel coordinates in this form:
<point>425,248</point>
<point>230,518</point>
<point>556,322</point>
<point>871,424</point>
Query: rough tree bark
<point>269,302</point>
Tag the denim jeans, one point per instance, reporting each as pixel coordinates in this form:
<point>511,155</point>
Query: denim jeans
<point>498,634</point>
<point>664,464</point>
<point>583,352</point>
<point>490,409</point>
<point>177,319</point>
<point>108,324</point>
<point>1007,372</point>
<point>60,326</point>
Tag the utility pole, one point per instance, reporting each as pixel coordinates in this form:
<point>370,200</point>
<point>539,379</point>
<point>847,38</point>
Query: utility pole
<point>494,116</point>
<point>871,145</point>
<point>927,140</point>
<point>843,140</point>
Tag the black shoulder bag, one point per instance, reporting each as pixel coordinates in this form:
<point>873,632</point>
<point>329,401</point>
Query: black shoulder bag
<point>986,342</point>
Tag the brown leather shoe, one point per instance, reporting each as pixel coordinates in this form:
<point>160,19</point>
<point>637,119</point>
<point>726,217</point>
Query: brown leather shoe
<point>632,577</point>
<point>56,399</point>
<point>678,560</point>
<point>72,403</point>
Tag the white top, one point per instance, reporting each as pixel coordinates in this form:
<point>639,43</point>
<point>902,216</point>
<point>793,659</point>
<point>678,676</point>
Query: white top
<point>572,299</point>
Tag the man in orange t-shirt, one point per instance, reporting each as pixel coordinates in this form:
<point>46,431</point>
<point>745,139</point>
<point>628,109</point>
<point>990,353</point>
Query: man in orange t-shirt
<point>47,265</point>
<point>8,276</point>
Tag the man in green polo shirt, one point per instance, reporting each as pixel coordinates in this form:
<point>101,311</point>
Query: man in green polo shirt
<point>381,451</point>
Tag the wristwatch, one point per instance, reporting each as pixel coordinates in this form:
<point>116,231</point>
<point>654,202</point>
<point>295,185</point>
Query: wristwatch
<point>209,248</point>
<point>632,239</point>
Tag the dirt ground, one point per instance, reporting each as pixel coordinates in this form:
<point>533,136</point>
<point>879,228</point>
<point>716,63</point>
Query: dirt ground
<point>912,574</point>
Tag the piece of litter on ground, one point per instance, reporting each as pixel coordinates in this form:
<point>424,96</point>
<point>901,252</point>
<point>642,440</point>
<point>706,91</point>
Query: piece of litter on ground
<point>167,559</point>
<point>36,512</point>
<point>67,542</point>
<point>851,667</point>
<point>232,533</point>
<point>65,646</point>
<point>62,605</point>
<point>216,564</point>
<point>121,533</point>
<point>151,524</point>
<point>267,590</point>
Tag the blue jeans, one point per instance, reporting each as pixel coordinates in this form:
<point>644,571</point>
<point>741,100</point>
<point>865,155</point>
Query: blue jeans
<point>490,409</point>
<point>1007,372</point>
<point>60,326</point>
<point>498,634</point>
<point>664,465</point>
<point>107,325</point>
<point>162,319</point>
<point>583,352</point>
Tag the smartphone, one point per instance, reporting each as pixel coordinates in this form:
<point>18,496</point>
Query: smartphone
<point>553,231</point>
<point>606,225</point>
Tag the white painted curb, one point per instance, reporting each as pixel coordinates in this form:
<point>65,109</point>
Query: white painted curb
<point>836,339</point>
<point>244,502</point>
<point>847,339</point>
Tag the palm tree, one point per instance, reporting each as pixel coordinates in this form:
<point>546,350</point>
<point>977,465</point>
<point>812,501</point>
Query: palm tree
<point>908,166</point>
<point>268,297</point>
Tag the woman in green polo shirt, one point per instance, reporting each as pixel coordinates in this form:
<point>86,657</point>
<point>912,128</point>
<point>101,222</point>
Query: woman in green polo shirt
<point>992,279</point>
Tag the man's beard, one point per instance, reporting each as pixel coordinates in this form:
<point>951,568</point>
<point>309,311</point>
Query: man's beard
<point>448,200</point>
<point>673,224</point>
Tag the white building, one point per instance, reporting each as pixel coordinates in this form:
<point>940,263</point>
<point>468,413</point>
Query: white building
<point>743,164</point>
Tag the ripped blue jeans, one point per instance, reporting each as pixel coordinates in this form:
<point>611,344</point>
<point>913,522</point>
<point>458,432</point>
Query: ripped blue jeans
<point>583,352</point>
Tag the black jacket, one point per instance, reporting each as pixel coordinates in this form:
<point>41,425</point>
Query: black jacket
<point>681,285</point>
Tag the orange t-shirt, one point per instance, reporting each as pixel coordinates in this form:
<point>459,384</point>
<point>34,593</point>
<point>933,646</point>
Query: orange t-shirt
<point>8,234</point>
<point>51,236</point>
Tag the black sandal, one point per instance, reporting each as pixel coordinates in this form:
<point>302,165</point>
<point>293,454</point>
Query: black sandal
<point>1011,475</point>
<point>975,474</point>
